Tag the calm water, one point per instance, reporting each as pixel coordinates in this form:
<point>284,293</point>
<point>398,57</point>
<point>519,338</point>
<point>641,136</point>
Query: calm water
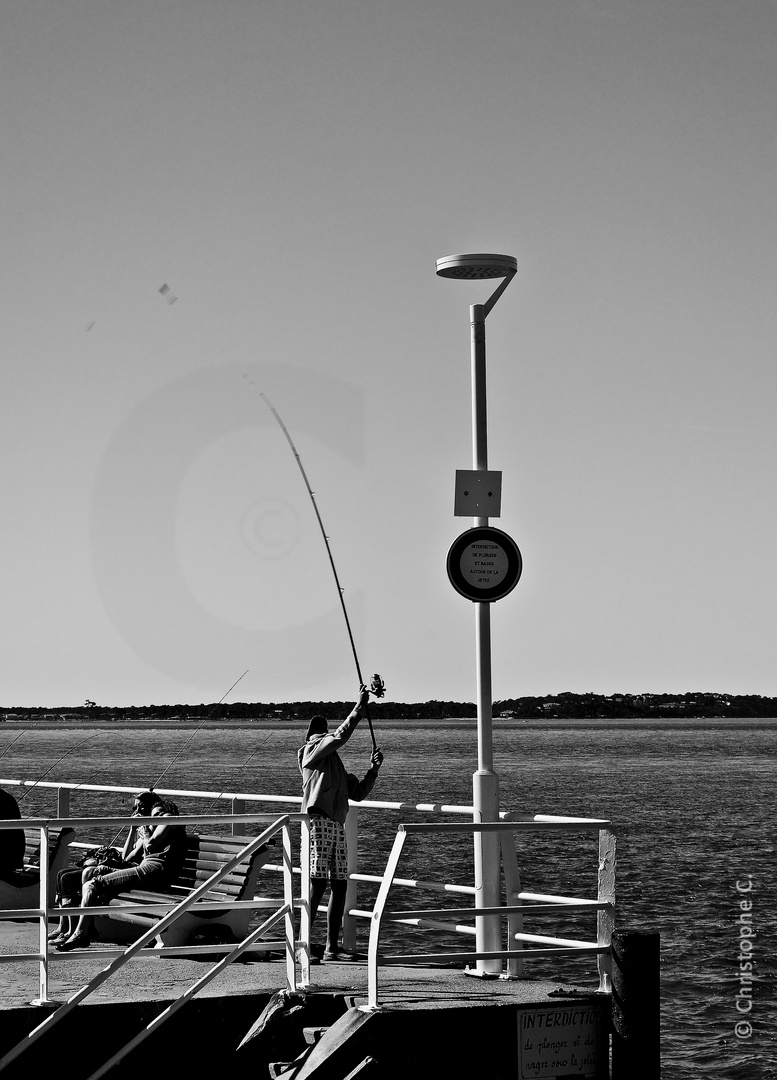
<point>693,808</point>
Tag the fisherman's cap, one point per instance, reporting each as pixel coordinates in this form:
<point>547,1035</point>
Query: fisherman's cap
<point>317,726</point>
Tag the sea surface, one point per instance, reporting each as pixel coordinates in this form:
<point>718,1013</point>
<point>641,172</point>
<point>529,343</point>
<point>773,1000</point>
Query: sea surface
<point>692,804</point>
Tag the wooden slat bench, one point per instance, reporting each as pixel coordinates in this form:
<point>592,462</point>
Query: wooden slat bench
<point>21,888</point>
<point>205,855</point>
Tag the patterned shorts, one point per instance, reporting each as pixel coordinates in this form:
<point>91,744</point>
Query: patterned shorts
<point>328,852</point>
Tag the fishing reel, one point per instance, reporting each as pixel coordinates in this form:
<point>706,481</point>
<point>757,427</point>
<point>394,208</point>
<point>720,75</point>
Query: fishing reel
<point>377,686</point>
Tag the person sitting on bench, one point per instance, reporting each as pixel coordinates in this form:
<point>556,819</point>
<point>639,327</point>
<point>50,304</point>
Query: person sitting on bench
<point>160,849</point>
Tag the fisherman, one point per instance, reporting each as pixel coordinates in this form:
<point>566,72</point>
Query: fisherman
<point>12,841</point>
<point>151,862</point>
<point>326,789</point>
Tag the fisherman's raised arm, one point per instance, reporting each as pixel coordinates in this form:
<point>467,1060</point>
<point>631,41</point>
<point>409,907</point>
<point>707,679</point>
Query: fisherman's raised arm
<point>331,743</point>
<point>360,789</point>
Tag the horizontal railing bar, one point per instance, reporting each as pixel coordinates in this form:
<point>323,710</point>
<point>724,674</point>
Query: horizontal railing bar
<point>193,950</point>
<point>567,817</point>
<point>438,924</point>
<point>503,955</point>
<point>411,883</point>
<point>248,796</point>
<point>413,921</point>
<point>150,909</point>
<point>542,939</point>
<point>444,808</point>
<point>96,952</point>
<point>557,909</point>
<point>560,901</point>
<point>256,904</point>
<point>571,824</point>
<point>160,791</point>
<point>470,913</point>
<point>127,819</point>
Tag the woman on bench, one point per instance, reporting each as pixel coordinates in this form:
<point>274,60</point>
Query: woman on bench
<point>160,849</point>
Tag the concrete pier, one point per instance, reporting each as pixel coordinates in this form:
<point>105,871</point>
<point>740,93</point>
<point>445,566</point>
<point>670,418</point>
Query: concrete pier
<point>435,1021</point>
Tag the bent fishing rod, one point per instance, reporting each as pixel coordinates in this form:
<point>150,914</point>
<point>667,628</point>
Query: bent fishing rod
<point>377,686</point>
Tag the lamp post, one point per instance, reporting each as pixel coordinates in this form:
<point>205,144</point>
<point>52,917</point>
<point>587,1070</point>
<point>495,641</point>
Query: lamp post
<point>485,782</point>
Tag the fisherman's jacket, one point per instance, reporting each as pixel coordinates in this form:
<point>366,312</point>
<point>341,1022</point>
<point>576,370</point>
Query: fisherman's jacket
<point>326,786</point>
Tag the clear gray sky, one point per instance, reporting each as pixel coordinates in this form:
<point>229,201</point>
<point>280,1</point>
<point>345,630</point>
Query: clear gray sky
<point>290,170</point>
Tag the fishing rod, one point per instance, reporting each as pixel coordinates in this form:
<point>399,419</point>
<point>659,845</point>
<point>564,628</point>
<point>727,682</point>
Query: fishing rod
<point>239,769</point>
<point>377,686</point>
<point>96,735</point>
<point>204,721</point>
<point>178,754</point>
<point>11,743</point>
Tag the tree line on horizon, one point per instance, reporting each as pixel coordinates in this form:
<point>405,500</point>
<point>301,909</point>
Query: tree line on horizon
<point>559,706</point>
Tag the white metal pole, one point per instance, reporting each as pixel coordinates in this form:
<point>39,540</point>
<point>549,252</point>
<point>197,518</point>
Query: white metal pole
<point>485,783</point>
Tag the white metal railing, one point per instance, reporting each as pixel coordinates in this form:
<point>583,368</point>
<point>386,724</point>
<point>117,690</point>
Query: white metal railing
<point>440,919</point>
<point>238,802</point>
<point>169,913</point>
<point>510,821</point>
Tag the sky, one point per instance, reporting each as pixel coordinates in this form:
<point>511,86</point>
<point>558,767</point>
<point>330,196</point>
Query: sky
<point>206,202</point>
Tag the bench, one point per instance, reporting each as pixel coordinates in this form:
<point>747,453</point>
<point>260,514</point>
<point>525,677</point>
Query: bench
<point>21,888</point>
<point>205,855</point>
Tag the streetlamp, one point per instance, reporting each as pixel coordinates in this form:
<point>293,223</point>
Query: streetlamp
<point>485,783</point>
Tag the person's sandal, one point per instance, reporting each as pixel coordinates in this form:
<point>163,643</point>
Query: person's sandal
<point>78,940</point>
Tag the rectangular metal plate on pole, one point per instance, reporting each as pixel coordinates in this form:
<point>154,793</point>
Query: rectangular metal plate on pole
<point>478,493</point>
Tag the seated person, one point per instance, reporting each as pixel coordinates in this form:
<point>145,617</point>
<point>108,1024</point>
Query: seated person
<point>71,880</point>
<point>12,841</point>
<point>153,855</point>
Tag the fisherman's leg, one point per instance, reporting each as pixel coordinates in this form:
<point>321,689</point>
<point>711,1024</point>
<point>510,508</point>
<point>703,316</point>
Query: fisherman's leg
<point>338,880</point>
<point>317,890</point>
<point>334,916</point>
<point>319,861</point>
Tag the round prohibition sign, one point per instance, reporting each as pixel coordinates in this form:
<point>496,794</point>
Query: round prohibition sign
<point>484,564</point>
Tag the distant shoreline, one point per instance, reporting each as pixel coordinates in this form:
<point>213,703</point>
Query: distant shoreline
<point>677,723</point>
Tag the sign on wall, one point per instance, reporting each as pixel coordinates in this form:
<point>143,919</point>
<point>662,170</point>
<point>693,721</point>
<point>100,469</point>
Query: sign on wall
<point>558,1042</point>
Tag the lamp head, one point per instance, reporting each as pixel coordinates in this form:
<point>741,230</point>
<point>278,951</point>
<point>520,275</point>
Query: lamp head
<point>474,267</point>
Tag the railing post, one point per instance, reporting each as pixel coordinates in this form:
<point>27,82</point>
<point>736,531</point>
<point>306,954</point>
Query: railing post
<point>238,807</point>
<point>43,923</point>
<point>605,918</point>
<point>63,802</point>
<point>377,915</point>
<point>512,876</point>
<point>304,906</point>
<point>288,921</point>
<point>352,841</point>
